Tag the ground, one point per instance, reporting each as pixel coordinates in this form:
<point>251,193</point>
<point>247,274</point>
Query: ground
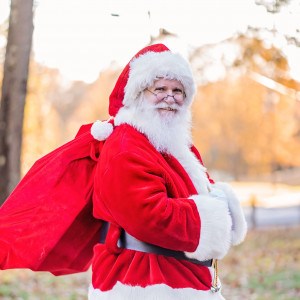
<point>265,267</point>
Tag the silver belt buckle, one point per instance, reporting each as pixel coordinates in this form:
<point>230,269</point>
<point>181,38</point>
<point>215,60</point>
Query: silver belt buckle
<point>215,289</point>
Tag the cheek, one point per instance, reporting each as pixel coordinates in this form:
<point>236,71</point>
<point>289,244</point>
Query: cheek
<point>180,103</point>
<point>153,100</point>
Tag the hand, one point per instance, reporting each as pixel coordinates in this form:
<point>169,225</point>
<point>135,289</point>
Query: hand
<point>218,194</point>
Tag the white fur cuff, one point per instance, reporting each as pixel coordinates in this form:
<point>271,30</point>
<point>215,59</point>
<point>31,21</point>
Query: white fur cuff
<point>215,233</point>
<point>238,218</point>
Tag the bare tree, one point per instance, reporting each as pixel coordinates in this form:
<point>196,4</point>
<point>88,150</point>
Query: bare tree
<point>14,89</point>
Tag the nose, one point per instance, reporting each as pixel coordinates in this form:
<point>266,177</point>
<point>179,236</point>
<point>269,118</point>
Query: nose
<point>170,99</point>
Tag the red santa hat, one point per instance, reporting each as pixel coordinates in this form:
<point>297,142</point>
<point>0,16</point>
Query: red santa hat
<point>147,66</point>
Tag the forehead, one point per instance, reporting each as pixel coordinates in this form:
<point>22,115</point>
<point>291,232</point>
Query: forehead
<point>172,83</point>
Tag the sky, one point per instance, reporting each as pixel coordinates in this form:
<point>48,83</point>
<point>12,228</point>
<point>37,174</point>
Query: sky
<point>81,38</point>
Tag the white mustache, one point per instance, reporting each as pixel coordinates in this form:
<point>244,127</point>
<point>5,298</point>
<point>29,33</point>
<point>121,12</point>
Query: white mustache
<point>173,106</point>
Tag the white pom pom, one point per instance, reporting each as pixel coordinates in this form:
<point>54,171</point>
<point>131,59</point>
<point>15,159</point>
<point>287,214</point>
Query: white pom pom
<point>101,130</point>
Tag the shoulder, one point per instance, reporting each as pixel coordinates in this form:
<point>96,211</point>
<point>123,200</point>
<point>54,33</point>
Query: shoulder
<point>126,140</point>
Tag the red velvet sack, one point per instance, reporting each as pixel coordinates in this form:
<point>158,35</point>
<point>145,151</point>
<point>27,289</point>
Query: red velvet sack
<point>46,224</point>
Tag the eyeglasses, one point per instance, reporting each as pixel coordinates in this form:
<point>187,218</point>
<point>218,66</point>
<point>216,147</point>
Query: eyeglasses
<point>178,96</point>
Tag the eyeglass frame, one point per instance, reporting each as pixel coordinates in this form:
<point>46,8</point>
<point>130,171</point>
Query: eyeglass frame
<point>167,95</point>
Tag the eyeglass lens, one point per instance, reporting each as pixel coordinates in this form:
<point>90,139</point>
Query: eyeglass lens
<point>162,96</point>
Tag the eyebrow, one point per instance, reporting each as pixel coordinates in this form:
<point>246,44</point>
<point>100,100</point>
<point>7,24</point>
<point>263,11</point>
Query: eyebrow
<point>164,86</point>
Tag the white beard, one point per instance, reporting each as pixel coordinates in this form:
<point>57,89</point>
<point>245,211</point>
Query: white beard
<point>170,133</point>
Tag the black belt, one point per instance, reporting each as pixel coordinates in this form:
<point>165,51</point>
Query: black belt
<point>127,241</point>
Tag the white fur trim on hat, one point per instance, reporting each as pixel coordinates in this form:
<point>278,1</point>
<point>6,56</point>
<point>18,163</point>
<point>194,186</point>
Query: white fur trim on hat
<point>151,66</point>
<point>239,228</point>
<point>101,130</point>
<point>215,232</point>
<point>157,291</point>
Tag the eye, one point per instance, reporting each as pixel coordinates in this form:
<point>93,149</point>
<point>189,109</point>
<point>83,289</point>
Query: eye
<point>178,91</point>
<point>160,89</point>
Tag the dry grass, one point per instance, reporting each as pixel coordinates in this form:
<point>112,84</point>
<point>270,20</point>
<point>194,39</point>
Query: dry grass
<point>265,266</point>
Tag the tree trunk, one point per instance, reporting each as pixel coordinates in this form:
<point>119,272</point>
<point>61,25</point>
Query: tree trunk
<point>14,88</point>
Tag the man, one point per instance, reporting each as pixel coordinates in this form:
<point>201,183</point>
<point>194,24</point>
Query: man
<point>167,219</point>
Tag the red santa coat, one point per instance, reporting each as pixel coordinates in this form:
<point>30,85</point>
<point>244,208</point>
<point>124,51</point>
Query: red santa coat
<point>148,195</point>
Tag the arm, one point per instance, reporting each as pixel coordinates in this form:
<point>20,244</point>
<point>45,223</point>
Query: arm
<point>134,192</point>
<point>133,189</point>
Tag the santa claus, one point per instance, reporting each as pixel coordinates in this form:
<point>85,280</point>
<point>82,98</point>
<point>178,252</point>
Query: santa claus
<point>167,219</point>
<point>135,196</point>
